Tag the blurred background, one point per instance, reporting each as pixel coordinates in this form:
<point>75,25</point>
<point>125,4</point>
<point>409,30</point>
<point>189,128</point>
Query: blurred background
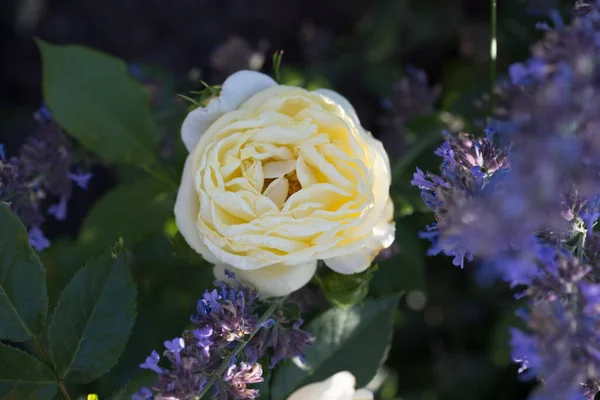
<point>411,68</point>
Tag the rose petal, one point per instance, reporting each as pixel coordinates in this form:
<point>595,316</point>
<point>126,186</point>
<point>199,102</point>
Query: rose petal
<point>363,394</point>
<point>238,88</point>
<point>277,191</point>
<point>187,207</point>
<point>272,281</point>
<point>342,102</point>
<point>382,238</point>
<point>337,387</point>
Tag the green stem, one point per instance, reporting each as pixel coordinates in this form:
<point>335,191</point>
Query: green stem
<point>493,52</point>
<point>64,390</point>
<point>227,361</point>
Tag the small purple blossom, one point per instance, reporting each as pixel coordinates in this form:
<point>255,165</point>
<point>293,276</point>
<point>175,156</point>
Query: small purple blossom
<point>37,240</point>
<point>236,381</point>
<point>81,179</point>
<point>151,363</point>
<point>143,394</point>
<point>175,346</point>
<point>204,339</point>
<point>59,210</point>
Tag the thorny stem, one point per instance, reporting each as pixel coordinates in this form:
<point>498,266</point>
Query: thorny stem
<point>227,361</point>
<point>493,52</point>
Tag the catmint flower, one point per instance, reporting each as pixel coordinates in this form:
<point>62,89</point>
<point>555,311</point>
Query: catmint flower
<point>226,317</point>
<point>143,394</point>
<point>236,380</point>
<point>151,363</point>
<point>39,175</point>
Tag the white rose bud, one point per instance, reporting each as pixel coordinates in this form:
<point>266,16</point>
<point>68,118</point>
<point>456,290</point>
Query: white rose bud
<point>337,387</point>
<point>279,177</point>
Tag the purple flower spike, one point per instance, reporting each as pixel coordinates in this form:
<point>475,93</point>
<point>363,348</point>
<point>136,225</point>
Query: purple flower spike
<point>151,363</point>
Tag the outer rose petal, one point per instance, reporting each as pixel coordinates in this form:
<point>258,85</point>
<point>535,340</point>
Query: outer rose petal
<point>236,89</point>
<point>186,212</point>
<point>383,237</point>
<point>273,281</point>
<point>342,102</point>
<point>337,387</point>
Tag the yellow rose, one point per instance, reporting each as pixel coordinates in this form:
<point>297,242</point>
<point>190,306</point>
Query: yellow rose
<point>337,387</point>
<point>279,177</point>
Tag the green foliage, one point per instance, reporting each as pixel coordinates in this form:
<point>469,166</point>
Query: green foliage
<point>146,378</point>
<point>405,270</point>
<point>23,298</point>
<point>354,339</point>
<point>24,377</point>
<point>277,59</point>
<point>93,319</point>
<point>345,290</point>
<point>93,97</point>
<point>133,212</point>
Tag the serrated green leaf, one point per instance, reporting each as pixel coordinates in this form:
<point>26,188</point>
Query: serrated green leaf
<point>24,377</point>
<point>405,270</point>
<point>354,339</point>
<point>132,211</point>
<point>93,319</point>
<point>94,98</point>
<point>23,297</point>
<point>146,378</point>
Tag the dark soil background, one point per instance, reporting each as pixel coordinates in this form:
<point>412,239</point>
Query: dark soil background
<point>451,337</point>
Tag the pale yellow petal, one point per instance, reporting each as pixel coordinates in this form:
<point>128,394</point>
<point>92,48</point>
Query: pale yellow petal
<point>272,281</point>
<point>277,191</point>
<point>337,387</point>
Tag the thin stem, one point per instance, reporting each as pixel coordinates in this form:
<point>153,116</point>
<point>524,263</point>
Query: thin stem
<point>63,389</point>
<point>161,176</point>
<point>493,52</point>
<point>225,364</point>
<point>581,246</point>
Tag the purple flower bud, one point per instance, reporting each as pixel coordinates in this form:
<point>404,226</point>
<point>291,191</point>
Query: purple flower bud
<point>204,339</point>
<point>143,394</point>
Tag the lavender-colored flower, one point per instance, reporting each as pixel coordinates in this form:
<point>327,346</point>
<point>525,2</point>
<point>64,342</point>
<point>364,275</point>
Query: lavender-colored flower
<point>236,380</point>
<point>40,172</point>
<point>59,210</point>
<point>37,240</point>
<point>81,179</point>
<point>204,339</point>
<point>143,394</point>
<point>225,315</point>
<point>151,363</point>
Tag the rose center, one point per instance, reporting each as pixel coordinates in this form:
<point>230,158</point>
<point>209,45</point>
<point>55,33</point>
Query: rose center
<point>294,183</point>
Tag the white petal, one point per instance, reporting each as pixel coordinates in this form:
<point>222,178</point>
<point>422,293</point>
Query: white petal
<point>363,394</point>
<point>272,281</point>
<point>342,102</point>
<point>382,237</point>
<point>337,387</point>
<point>236,89</point>
<point>187,207</point>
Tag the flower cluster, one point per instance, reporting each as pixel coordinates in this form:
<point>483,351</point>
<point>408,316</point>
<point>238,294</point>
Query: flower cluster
<point>40,174</point>
<point>227,321</point>
<point>527,207</point>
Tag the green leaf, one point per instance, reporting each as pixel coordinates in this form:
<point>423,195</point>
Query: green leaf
<point>94,98</point>
<point>23,376</point>
<point>93,319</point>
<point>405,270</point>
<point>354,339</point>
<point>23,297</point>
<point>132,211</point>
<point>146,378</point>
<point>345,290</point>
